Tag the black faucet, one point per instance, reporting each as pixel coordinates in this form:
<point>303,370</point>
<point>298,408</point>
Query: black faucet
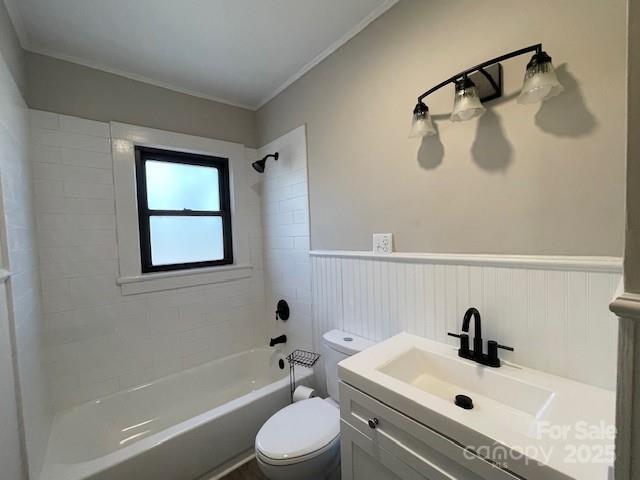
<point>275,341</point>
<point>489,359</point>
<point>477,327</point>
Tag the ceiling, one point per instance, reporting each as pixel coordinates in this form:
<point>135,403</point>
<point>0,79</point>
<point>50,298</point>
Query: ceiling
<point>242,52</point>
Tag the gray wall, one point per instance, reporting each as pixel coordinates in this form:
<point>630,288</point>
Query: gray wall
<point>63,87</point>
<point>10,49</point>
<point>522,179</point>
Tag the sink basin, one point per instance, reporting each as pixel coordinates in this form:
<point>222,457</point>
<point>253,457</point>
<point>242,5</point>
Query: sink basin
<point>447,377</point>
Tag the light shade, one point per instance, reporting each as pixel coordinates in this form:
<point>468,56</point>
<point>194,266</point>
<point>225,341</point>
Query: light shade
<point>466,103</point>
<point>540,80</point>
<point>421,124</point>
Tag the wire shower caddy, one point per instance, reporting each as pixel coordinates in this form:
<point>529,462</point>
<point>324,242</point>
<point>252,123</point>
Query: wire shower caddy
<point>302,358</point>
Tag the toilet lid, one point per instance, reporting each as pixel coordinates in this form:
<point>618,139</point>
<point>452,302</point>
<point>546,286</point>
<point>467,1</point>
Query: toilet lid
<point>299,430</point>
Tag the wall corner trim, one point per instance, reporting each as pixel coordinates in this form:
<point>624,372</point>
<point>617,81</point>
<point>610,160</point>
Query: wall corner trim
<point>626,305</point>
<point>552,262</point>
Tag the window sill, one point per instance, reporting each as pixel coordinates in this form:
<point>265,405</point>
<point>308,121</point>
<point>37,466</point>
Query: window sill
<point>153,282</point>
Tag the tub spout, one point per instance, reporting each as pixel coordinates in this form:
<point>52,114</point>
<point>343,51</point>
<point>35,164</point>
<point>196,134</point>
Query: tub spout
<point>277,340</point>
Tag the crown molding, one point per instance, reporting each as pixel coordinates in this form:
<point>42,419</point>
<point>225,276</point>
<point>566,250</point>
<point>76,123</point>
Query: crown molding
<point>382,8</point>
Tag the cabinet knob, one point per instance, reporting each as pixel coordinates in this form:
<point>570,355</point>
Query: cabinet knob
<point>373,422</point>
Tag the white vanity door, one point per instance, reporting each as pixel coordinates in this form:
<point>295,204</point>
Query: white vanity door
<point>363,460</point>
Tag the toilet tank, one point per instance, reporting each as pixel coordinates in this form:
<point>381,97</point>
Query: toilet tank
<point>337,346</point>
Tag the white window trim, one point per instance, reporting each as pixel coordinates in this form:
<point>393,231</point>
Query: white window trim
<point>132,281</point>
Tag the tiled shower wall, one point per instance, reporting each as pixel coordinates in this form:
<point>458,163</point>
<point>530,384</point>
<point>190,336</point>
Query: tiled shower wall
<point>285,215</point>
<point>97,340</point>
<point>24,326</point>
<point>556,318</point>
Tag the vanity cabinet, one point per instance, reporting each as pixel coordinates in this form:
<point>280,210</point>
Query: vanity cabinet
<point>380,443</point>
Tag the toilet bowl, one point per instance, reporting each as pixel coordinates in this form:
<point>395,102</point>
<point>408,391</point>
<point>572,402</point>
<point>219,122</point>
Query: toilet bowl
<point>302,440</point>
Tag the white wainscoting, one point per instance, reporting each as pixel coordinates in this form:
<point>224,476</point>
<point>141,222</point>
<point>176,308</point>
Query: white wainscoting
<point>552,310</point>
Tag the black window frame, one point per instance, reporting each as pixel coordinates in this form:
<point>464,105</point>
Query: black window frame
<point>142,154</point>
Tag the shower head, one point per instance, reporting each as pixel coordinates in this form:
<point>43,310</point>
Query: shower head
<point>259,165</point>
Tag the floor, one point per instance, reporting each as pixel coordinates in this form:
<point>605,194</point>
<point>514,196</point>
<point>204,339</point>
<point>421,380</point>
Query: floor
<point>248,471</point>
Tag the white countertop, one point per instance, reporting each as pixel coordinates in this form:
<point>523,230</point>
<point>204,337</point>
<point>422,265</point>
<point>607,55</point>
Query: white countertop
<point>571,437</point>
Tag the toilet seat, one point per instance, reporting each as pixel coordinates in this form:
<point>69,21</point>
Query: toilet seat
<point>299,432</point>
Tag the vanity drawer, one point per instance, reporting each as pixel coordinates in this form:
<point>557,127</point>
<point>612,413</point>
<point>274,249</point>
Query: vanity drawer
<point>418,446</point>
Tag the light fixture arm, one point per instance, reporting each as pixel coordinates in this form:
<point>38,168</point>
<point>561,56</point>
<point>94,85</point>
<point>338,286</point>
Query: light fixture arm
<point>537,48</point>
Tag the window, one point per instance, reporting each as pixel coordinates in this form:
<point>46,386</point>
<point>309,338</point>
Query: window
<point>184,210</point>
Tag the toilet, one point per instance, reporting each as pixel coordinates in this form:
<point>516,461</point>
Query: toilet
<point>302,441</point>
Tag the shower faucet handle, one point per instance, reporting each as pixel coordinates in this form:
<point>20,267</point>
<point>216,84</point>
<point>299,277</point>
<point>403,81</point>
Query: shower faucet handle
<point>282,310</point>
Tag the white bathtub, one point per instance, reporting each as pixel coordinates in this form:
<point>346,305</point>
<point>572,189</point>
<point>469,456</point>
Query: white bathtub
<point>178,427</point>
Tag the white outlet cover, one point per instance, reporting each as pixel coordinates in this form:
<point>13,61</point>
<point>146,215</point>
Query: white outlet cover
<point>382,243</point>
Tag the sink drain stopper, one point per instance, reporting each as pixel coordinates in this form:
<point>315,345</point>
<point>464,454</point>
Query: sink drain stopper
<point>465,402</point>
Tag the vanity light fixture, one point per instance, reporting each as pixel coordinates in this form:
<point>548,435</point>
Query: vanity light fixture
<point>421,124</point>
<point>540,80</point>
<point>540,83</point>
<point>466,102</point>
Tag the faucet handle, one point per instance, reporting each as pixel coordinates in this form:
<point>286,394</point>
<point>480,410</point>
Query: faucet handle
<point>492,352</point>
<point>464,341</point>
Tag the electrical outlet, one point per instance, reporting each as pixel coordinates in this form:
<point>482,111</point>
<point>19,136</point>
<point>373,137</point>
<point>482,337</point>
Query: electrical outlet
<point>382,243</point>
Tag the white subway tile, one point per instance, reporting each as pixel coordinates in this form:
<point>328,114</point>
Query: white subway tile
<point>41,119</point>
<point>93,291</point>
<point>48,188</point>
<point>43,154</point>
<point>299,190</point>
<point>84,158</point>
<point>301,243</point>
<point>88,190</point>
<point>89,205</point>
<point>55,138</point>
<point>83,126</point>
<point>279,243</point>
<point>291,205</point>
<point>47,171</point>
<point>47,221</point>
<point>92,222</point>
<point>87,174</point>
<point>301,216</point>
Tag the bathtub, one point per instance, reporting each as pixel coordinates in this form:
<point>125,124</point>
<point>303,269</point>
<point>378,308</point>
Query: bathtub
<point>178,427</point>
